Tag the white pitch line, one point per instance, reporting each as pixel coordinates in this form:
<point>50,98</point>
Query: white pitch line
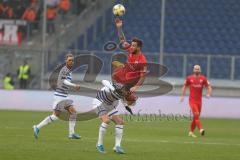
<point>185,142</point>
<point>155,141</point>
<point>214,143</point>
<point>175,142</point>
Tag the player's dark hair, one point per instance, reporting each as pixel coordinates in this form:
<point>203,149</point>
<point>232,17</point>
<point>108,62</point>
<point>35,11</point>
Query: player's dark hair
<point>68,55</point>
<point>138,41</point>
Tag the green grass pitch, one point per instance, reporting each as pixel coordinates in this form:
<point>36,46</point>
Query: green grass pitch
<point>157,140</point>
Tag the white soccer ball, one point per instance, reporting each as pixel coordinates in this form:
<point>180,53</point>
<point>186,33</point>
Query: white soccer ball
<point>118,10</point>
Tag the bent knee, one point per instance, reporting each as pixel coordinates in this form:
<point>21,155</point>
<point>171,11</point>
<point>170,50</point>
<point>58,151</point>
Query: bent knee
<point>196,114</point>
<point>105,119</point>
<point>57,113</point>
<point>121,122</point>
<point>72,110</point>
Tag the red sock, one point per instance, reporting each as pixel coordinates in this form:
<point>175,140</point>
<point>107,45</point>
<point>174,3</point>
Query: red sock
<point>193,125</point>
<point>198,123</point>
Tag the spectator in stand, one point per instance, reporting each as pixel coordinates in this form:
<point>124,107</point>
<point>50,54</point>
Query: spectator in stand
<point>23,73</point>
<point>6,12</point>
<point>64,7</point>
<point>30,15</point>
<point>19,9</point>
<point>8,82</point>
<point>51,16</point>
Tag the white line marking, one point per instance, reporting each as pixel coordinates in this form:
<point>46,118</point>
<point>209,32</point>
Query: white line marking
<point>185,142</point>
<point>155,141</point>
<point>175,142</point>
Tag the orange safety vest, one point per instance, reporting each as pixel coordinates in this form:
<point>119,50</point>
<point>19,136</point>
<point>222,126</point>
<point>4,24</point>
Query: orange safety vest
<point>7,10</point>
<point>29,15</point>
<point>51,13</point>
<point>64,5</point>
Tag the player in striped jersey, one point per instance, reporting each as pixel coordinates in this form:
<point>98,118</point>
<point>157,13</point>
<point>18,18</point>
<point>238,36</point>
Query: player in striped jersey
<point>61,100</point>
<point>105,105</point>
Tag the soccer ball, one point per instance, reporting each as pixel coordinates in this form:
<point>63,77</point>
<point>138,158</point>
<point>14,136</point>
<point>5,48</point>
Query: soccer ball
<point>118,10</point>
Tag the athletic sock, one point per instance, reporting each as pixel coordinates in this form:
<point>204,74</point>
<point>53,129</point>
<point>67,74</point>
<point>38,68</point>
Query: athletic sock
<point>118,134</point>
<point>72,123</point>
<point>47,120</point>
<point>102,131</point>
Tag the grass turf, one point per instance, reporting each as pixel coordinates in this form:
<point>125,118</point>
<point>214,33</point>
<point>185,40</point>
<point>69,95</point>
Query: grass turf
<point>164,140</point>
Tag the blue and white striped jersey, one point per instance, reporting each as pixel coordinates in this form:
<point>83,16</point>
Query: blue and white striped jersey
<point>62,89</point>
<point>108,96</point>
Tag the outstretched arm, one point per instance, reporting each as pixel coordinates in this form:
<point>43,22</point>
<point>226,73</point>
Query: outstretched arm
<point>121,35</point>
<point>119,25</point>
<point>70,84</point>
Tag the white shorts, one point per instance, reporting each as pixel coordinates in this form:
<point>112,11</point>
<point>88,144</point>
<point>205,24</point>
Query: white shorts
<point>61,103</point>
<point>102,108</point>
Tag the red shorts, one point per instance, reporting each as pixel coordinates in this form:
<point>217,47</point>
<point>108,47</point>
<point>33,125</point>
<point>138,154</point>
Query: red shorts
<point>196,107</point>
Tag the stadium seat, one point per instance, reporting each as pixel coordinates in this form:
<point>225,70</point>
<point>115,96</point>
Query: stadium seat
<point>214,20</point>
<point>191,27</point>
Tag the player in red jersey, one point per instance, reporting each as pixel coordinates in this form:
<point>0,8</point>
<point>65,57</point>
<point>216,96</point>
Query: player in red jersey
<point>132,73</point>
<point>196,83</point>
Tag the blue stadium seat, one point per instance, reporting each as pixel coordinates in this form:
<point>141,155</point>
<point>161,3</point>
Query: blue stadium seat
<point>215,20</point>
<point>174,65</point>
<point>237,69</point>
<point>191,27</point>
<point>80,42</point>
<point>220,68</point>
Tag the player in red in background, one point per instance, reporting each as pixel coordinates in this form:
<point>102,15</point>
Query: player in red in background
<point>196,83</point>
<point>132,73</point>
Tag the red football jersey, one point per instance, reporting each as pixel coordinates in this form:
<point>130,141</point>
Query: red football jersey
<point>139,58</point>
<point>132,70</point>
<point>196,85</point>
<point>136,64</point>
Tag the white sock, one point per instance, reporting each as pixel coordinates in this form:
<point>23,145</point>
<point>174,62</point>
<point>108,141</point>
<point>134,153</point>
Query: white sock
<point>102,131</point>
<point>72,123</point>
<point>47,120</point>
<point>118,135</point>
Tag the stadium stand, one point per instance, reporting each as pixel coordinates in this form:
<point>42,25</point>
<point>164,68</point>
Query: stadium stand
<point>143,26</point>
<point>199,27</point>
<point>195,32</point>
<point>202,26</point>
<point>31,11</point>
